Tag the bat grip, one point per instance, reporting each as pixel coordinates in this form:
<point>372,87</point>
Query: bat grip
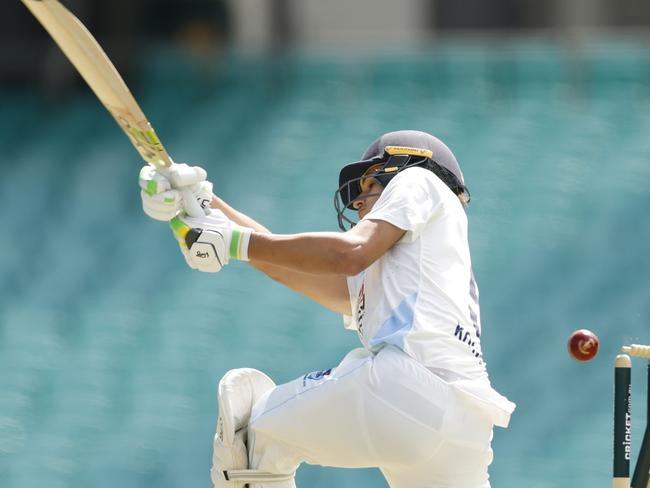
<point>190,204</point>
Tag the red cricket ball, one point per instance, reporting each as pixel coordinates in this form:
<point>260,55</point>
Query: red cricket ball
<point>583,345</point>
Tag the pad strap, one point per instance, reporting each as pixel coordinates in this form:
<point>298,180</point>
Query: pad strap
<point>253,475</point>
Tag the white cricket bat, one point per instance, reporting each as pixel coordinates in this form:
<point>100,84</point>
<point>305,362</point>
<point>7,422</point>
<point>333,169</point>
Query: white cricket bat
<point>90,60</point>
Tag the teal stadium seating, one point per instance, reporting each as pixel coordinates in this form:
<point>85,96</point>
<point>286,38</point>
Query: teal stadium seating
<point>111,349</point>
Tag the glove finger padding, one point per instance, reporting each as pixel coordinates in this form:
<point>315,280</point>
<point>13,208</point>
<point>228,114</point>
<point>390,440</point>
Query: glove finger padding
<point>159,200</point>
<point>162,206</point>
<point>182,175</point>
<point>152,182</point>
<point>192,180</point>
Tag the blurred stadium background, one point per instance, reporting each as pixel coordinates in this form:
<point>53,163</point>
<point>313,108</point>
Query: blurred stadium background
<point>111,349</point>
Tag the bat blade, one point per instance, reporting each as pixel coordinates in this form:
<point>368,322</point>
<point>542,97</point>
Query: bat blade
<point>90,60</point>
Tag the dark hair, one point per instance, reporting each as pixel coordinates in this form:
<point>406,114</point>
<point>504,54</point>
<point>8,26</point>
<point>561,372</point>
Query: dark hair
<point>451,180</point>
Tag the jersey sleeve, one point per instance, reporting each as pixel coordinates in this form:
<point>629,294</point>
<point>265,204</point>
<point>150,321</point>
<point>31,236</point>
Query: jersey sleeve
<point>409,201</point>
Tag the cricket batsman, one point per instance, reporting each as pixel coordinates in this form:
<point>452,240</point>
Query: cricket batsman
<point>415,400</point>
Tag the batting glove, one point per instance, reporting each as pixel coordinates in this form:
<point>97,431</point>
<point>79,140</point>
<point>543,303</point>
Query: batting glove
<point>161,199</point>
<point>209,242</point>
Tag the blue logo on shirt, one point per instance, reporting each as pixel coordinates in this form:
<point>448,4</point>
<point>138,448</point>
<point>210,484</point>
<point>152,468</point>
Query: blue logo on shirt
<point>316,376</point>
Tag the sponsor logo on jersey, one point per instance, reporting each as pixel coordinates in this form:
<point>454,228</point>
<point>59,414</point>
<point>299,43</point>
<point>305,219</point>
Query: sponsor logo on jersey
<point>316,376</point>
<point>361,308</point>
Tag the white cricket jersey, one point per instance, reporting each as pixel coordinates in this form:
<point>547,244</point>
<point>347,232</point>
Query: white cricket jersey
<point>421,295</point>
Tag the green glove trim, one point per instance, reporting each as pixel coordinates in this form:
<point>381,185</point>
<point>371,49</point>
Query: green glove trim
<point>235,241</point>
<point>152,188</point>
<point>152,185</point>
<point>179,228</point>
<point>239,239</point>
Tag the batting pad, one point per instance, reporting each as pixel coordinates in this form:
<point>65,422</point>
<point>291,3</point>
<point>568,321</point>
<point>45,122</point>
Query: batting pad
<point>239,389</point>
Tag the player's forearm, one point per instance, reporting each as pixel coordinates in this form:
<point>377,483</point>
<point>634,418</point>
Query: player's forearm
<point>326,253</point>
<point>276,273</point>
<point>237,216</point>
<point>329,291</point>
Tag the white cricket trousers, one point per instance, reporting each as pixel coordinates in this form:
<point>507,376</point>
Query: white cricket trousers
<point>385,411</point>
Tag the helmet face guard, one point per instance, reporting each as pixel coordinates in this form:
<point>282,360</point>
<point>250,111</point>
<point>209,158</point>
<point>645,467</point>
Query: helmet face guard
<point>393,160</point>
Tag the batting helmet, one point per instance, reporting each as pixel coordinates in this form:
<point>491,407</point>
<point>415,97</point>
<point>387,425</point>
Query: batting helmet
<point>394,152</point>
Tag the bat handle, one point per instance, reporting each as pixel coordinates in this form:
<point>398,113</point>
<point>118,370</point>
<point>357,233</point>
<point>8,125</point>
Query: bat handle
<point>191,205</point>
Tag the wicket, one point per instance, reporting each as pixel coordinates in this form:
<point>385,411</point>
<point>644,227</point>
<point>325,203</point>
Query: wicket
<point>623,422</point>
